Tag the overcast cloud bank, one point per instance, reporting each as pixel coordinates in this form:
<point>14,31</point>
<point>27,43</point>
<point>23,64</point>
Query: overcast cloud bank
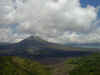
<point>60,21</point>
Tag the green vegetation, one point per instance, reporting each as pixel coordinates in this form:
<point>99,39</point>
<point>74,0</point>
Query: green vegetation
<point>89,65</point>
<point>17,66</point>
<point>12,65</point>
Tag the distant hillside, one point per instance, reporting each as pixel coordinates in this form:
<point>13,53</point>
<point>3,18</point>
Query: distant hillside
<point>5,45</point>
<point>35,46</point>
<point>85,45</point>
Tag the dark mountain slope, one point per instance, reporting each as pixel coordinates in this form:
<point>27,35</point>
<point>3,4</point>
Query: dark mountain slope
<point>36,46</point>
<point>41,50</point>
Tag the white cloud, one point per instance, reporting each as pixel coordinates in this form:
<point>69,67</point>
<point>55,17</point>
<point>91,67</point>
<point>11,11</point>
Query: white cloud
<point>51,19</point>
<point>54,20</point>
<point>7,12</point>
<point>6,35</point>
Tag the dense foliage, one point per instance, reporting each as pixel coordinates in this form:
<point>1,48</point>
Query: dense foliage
<point>89,65</point>
<point>86,65</point>
<point>17,66</point>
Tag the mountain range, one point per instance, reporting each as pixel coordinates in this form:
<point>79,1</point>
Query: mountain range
<point>39,49</point>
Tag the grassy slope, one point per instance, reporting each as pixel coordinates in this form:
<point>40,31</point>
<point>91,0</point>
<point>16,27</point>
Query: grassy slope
<point>11,65</point>
<point>89,65</point>
<point>17,66</point>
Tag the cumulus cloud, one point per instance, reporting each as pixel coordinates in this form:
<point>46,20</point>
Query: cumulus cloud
<point>61,21</point>
<point>6,35</point>
<point>7,12</point>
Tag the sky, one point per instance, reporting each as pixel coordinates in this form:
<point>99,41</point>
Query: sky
<point>95,3</point>
<point>58,21</point>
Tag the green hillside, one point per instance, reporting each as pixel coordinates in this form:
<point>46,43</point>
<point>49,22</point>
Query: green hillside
<point>86,65</point>
<point>89,65</point>
<point>11,65</point>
